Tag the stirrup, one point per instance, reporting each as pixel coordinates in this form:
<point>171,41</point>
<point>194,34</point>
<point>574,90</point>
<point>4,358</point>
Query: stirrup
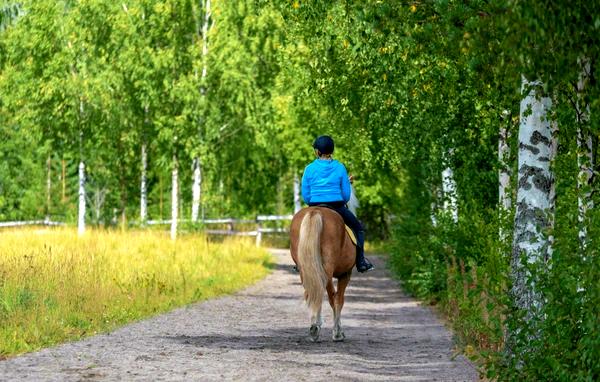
<point>365,267</point>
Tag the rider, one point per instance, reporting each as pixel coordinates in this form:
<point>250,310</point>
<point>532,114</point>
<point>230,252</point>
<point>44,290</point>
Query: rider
<point>326,182</point>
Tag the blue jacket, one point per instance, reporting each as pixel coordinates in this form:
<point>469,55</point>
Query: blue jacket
<point>325,181</point>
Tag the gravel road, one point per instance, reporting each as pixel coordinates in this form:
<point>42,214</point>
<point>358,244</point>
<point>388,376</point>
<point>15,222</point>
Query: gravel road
<point>261,334</point>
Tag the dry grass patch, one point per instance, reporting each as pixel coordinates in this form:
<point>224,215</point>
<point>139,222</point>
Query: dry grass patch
<point>56,286</point>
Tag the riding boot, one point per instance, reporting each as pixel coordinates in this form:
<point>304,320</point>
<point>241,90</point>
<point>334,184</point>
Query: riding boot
<point>362,264</point>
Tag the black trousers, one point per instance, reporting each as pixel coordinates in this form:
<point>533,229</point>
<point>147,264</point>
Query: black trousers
<point>349,218</point>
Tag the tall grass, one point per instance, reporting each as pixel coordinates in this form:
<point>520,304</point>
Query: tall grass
<point>56,286</point>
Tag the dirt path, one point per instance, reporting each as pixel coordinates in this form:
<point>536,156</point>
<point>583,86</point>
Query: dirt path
<point>260,334</point>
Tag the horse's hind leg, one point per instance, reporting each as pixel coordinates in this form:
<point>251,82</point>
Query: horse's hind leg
<point>338,333</point>
<point>315,324</point>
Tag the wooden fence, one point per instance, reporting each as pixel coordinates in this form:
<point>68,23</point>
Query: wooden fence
<point>230,223</point>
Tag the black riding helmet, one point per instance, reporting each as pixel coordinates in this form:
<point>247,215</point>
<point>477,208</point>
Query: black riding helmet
<point>324,144</point>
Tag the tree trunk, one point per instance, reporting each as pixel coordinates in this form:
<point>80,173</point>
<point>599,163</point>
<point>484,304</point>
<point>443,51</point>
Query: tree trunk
<point>161,200</point>
<point>197,166</point>
<point>81,214</point>
<point>174,198</point>
<point>504,197</point>
<point>297,204</point>
<point>144,186</point>
<point>48,186</point>
<point>205,27</point>
<point>449,191</point>
<point>504,173</point>
<point>196,189</point>
<point>585,155</point>
<point>64,180</point>
<point>535,196</point>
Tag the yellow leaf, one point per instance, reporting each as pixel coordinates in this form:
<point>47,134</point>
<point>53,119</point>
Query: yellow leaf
<point>413,8</point>
<point>296,4</point>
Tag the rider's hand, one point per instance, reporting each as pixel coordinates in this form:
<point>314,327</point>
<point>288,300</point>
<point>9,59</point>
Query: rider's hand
<point>351,178</point>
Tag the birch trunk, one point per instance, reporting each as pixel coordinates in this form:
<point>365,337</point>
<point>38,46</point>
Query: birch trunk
<point>196,190</point>
<point>297,204</point>
<point>81,217</point>
<point>504,198</point>
<point>81,212</point>
<point>161,199</point>
<point>504,173</point>
<point>535,196</point>
<point>585,154</point>
<point>144,186</point>
<point>64,181</point>
<point>449,190</point>
<point>205,27</point>
<point>48,186</point>
<point>174,198</point>
<point>197,181</point>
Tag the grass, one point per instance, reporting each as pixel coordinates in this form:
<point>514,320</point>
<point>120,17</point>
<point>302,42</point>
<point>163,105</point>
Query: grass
<point>56,286</point>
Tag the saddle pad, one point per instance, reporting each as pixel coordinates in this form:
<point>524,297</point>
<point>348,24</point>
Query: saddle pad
<point>351,234</point>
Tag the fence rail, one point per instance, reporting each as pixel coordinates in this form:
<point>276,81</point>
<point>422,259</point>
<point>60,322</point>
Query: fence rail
<point>230,222</point>
<point>30,222</point>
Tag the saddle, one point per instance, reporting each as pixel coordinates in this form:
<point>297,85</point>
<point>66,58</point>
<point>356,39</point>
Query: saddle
<point>351,234</point>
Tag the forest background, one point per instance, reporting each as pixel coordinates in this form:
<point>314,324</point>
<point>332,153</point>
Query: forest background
<point>147,109</point>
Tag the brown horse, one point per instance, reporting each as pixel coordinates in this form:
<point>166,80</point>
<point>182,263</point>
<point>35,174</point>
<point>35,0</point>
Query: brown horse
<point>322,250</point>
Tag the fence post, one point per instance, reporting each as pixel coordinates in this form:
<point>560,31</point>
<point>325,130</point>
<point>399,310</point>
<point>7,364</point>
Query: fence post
<point>258,232</point>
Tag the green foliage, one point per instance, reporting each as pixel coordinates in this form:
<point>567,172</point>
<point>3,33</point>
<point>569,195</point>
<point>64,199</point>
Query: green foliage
<point>407,89</point>
<point>417,87</point>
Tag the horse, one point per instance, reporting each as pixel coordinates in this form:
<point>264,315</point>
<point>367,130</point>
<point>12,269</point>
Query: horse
<point>322,250</point>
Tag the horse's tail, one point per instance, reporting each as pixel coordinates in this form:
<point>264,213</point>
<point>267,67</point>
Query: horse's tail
<point>314,278</point>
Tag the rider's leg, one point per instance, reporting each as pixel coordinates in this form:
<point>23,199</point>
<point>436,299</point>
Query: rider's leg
<point>362,264</point>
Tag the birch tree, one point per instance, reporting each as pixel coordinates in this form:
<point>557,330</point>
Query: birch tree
<point>449,191</point>
<point>174,196</point>
<point>535,199</point>
<point>585,153</point>
<point>144,183</point>
<point>197,165</point>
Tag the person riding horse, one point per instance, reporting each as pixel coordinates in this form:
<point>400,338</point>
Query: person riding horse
<point>326,183</point>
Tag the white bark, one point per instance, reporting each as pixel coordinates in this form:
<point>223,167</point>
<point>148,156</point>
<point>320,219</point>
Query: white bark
<point>585,156</point>
<point>449,190</point>
<point>504,198</point>
<point>205,26</point>
<point>81,212</point>
<point>197,181</point>
<point>535,194</point>
<point>504,173</point>
<point>144,186</point>
<point>99,198</point>
<point>297,204</point>
<point>196,189</point>
<point>433,214</point>
<point>174,198</point>
<point>64,180</point>
<point>48,186</point>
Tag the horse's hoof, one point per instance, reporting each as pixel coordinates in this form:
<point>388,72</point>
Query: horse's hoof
<point>314,332</point>
<point>339,337</point>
